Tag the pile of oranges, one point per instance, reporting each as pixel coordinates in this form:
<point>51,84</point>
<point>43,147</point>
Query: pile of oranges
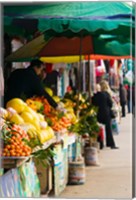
<point>60,124</point>
<point>15,146</point>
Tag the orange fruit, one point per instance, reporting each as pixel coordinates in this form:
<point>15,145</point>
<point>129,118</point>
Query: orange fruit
<point>23,154</point>
<point>8,154</point>
<point>8,146</point>
<point>6,150</point>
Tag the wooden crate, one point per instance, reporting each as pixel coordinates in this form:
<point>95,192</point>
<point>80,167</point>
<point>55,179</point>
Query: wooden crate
<point>12,162</point>
<point>45,177</point>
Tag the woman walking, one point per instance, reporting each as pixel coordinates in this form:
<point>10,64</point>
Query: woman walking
<point>103,100</point>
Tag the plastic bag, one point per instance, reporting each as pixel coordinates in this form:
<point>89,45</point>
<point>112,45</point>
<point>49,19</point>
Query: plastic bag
<point>114,126</point>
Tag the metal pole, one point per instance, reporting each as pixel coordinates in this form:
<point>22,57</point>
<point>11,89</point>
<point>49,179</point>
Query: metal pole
<point>80,63</point>
<point>84,77</point>
<point>79,73</point>
<point>89,89</point>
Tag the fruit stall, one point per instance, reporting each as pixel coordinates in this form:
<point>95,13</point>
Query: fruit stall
<point>40,144</point>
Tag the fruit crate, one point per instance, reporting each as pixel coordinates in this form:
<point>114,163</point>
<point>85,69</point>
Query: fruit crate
<point>12,162</point>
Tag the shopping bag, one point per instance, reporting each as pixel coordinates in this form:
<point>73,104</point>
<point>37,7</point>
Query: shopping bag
<point>115,126</point>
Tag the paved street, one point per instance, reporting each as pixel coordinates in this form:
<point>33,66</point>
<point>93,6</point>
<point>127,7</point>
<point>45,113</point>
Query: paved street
<point>113,178</point>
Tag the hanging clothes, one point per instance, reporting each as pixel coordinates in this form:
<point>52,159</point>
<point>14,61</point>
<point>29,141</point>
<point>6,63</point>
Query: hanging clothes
<point>1,82</point>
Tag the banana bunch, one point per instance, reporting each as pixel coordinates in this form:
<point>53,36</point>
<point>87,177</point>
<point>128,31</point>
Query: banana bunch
<point>33,133</point>
<point>68,103</point>
<point>71,115</point>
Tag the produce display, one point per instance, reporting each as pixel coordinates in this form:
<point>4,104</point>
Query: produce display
<point>29,124</point>
<point>57,120</point>
<point>22,129</point>
<point>34,123</point>
<point>33,128</point>
<point>87,114</point>
<point>13,140</point>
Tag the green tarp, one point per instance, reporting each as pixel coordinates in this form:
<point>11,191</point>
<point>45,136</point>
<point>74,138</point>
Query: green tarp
<point>109,25</point>
<point>92,17</point>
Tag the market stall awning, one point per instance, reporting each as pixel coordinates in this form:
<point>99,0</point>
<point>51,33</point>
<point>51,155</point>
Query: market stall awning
<point>44,46</point>
<point>92,17</point>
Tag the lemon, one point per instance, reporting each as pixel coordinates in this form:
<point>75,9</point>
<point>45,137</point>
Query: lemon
<point>16,104</point>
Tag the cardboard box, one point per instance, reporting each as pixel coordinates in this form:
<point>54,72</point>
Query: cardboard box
<point>45,177</point>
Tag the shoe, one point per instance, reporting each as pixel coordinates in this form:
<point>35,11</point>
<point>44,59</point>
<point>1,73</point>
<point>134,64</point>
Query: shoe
<point>114,147</point>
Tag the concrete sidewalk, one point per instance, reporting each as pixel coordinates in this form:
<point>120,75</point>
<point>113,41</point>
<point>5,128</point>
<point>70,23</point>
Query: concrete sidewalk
<point>113,178</point>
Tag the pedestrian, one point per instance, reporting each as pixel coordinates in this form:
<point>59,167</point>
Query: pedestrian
<point>123,99</point>
<point>133,99</point>
<point>129,103</point>
<point>103,101</point>
<point>51,80</point>
<point>100,136</point>
<point>26,83</point>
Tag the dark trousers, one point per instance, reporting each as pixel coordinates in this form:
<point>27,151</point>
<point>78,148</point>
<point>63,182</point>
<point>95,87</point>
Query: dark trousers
<point>109,137</point>
<point>123,110</point>
<point>99,139</point>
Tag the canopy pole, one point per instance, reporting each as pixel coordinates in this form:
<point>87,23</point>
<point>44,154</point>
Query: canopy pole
<point>79,74</point>
<point>80,63</point>
<point>89,77</point>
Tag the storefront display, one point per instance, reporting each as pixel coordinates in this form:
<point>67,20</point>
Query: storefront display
<point>35,130</point>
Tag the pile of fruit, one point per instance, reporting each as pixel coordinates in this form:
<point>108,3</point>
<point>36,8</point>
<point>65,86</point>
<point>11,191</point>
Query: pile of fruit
<point>59,123</point>
<point>57,120</point>
<point>13,141</point>
<point>19,113</point>
<point>87,114</point>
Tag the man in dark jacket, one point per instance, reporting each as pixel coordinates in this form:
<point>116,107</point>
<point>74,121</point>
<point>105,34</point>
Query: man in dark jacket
<point>123,99</point>
<point>26,83</point>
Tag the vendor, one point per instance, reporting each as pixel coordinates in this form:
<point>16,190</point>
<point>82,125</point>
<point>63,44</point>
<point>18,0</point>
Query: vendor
<point>26,83</point>
<point>51,78</point>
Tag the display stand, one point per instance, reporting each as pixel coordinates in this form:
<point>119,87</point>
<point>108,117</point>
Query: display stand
<point>27,179</point>
<point>21,181</point>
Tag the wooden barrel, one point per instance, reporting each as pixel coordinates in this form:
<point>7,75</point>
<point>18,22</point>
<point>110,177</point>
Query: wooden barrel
<point>96,145</point>
<point>91,156</point>
<point>76,173</point>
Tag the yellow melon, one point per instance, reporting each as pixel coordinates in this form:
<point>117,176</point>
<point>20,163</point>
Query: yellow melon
<point>32,112</point>
<point>36,124</point>
<point>11,112</point>
<point>17,104</point>
<point>27,117</point>
<point>17,119</point>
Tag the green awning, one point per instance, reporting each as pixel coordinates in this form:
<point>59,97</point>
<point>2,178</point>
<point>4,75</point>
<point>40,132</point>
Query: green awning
<point>90,17</point>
